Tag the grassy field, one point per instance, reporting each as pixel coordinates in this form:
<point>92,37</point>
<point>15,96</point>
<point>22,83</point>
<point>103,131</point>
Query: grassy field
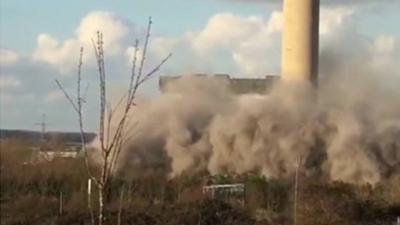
<point>31,193</point>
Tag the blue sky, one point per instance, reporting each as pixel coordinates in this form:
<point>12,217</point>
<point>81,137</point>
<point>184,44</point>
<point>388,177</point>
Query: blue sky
<point>21,21</point>
<point>172,17</point>
<point>221,36</point>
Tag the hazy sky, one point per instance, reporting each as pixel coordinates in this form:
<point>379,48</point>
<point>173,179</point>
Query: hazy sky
<point>40,40</point>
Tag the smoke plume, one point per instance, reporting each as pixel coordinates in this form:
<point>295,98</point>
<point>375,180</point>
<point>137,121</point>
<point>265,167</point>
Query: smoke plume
<point>348,129</point>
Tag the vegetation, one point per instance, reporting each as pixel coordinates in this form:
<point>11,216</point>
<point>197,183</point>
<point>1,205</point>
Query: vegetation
<point>31,194</point>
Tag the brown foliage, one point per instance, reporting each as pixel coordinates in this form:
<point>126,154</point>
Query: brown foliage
<point>30,195</point>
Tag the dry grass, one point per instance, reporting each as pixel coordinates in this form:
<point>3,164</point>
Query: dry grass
<point>30,195</point>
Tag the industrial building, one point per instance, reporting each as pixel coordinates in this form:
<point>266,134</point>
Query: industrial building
<point>300,49</point>
<point>235,85</point>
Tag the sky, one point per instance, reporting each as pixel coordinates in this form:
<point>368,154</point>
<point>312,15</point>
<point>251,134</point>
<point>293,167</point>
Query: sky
<point>40,42</point>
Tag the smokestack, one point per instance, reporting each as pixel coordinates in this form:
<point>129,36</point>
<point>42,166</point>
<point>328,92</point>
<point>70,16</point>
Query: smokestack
<point>300,41</point>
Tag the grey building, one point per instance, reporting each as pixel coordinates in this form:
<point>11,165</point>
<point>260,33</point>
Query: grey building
<point>236,85</point>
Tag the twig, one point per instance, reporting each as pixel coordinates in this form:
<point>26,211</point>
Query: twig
<point>146,43</point>
<point>67,95</point>
<point>133,71</point>
<point>157,68</point>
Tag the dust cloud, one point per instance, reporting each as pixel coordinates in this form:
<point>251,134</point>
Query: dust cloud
<point>347,129</point>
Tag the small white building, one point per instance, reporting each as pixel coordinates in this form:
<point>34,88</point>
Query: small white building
<point>51,155</point>
<point>48,155</point>
<point>228,192</point>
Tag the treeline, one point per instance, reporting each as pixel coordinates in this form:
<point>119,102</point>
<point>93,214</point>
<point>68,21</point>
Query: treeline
<point>36,136</point>
<point>56,193</point>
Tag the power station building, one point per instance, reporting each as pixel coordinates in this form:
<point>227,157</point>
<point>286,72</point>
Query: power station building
<point>300,51</point>
<point>235,85</point>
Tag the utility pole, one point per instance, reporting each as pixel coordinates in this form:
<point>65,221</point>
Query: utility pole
<point>43,125</point>
<point>296,190</point>
<point>89,199</point>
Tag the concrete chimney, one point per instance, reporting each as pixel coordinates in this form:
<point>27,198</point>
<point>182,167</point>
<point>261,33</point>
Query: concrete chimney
<point>300,41</point>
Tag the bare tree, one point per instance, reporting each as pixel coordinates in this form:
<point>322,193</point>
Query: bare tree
<point>111,141</point>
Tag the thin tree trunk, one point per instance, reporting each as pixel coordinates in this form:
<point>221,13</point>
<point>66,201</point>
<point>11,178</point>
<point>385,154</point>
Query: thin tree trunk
<point>101,204</point>
<point>102,185</point>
